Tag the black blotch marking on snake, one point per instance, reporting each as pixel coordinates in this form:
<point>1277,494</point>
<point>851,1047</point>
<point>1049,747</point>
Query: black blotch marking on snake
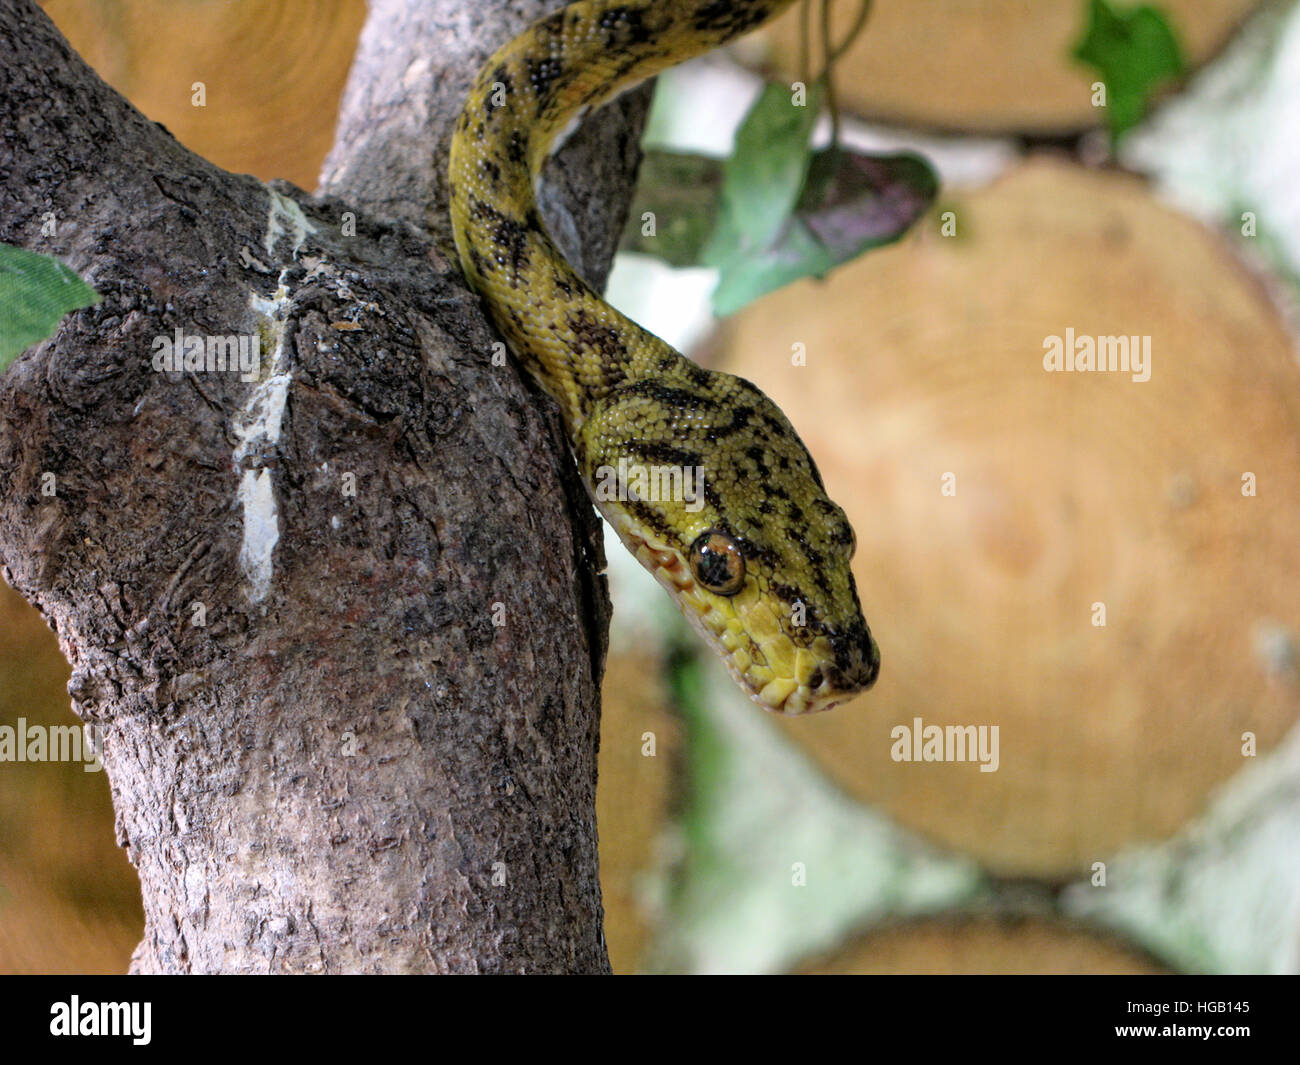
<point>670,397</point>
<point>509,235</point>
<point>516,146</point>
<point>601,338</point>
<point>490,171</point>
<point>625,27</point>
<point>668,454</point>
<point>499,79</point>
<point>560,281</point>
<point>651,518</point>
<point>543,74</point>
<point>724,17</point>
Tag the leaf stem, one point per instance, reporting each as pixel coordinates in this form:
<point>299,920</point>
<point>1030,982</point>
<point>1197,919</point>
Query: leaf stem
<point>831,54</point>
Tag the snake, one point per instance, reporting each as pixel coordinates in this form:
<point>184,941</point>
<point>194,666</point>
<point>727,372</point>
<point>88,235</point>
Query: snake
<point>756,554</point>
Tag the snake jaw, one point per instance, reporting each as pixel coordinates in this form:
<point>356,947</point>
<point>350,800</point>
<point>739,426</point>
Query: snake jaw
<point>749,656</point>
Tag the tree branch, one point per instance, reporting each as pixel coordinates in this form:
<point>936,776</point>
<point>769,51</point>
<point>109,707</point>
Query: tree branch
<point>338,623</point>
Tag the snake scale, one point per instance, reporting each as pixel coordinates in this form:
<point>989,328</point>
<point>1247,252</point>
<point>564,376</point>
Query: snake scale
<point>758,558</point>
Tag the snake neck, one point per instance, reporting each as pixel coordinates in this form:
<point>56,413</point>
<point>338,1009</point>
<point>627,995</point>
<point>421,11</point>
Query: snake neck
<point>573,343</point>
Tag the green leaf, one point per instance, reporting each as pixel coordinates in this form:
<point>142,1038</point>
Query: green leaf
<point>850,203</point>
<point>783,212</point>
<point>797,254</point>
<point>1135,52</point>
<point>36,291</point>
<point>765,174</point>
<point>854,201</point>
<point>681,192</point>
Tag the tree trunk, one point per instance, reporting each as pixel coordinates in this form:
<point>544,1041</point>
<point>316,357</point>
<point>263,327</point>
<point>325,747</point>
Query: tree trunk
<point>340,625</point>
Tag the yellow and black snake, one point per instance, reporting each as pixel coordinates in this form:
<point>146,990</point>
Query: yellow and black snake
<point>758,558</point>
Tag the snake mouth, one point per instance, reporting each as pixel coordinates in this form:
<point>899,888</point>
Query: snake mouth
<point>813,683</point>
<point>832,670</point>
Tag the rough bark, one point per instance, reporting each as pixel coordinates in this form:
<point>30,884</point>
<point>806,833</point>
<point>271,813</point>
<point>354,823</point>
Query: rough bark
<point>339,625</point>
<point>402,97</point>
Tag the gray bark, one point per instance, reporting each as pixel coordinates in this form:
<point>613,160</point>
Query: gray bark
<point>341,626</point>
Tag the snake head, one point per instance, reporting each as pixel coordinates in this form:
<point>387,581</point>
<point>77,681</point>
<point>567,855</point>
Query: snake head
<point>708,485</point>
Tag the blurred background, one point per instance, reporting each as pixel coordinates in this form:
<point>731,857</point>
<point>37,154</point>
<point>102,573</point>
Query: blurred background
<point>1107,571</point>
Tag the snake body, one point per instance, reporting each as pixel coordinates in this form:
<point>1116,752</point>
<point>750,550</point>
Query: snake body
<point>758,557</point>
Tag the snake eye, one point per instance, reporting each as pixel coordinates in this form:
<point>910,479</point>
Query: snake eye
<point>717,563</point>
